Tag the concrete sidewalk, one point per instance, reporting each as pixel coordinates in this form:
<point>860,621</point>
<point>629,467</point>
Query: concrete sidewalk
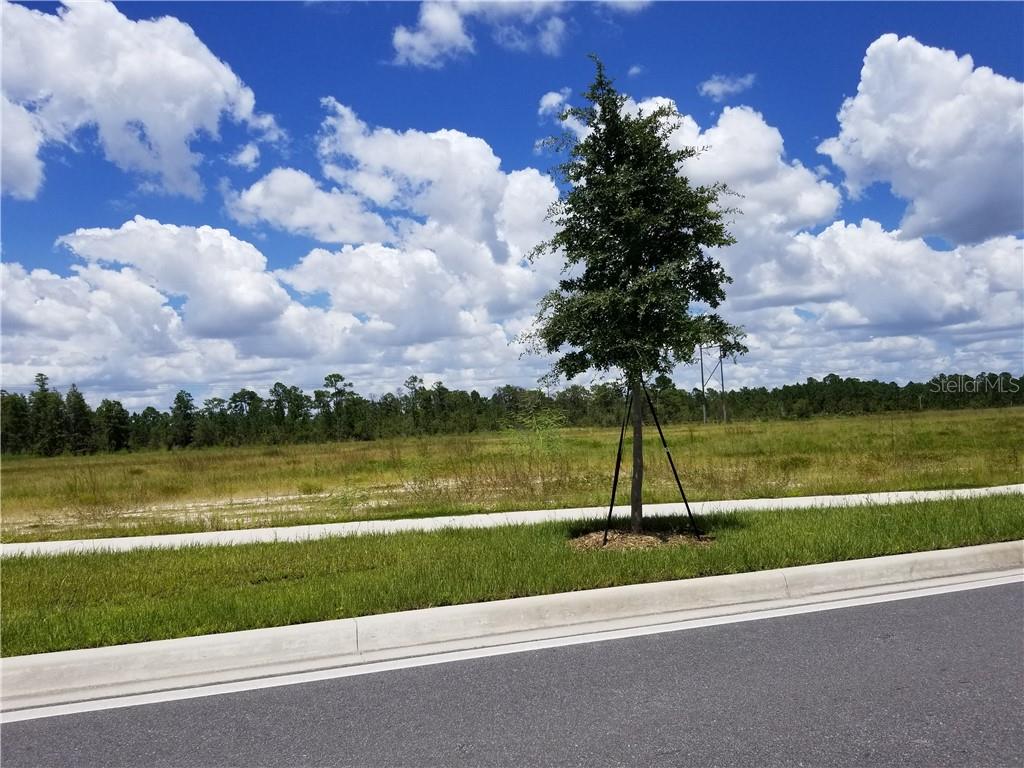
<point>490,520</point>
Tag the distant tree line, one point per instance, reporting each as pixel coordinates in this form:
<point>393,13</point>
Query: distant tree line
<point>46,422</point>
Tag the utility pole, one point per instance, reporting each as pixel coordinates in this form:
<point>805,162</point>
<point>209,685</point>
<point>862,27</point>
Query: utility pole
<point>703,399</point>
<point>721,374</point>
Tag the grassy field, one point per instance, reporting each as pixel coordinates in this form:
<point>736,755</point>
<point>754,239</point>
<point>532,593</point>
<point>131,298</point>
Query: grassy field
<point>78,601</point>
<point>165,491</point>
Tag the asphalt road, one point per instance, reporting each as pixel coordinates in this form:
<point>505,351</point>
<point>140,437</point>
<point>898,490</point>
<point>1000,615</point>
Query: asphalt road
<point>931,681</point>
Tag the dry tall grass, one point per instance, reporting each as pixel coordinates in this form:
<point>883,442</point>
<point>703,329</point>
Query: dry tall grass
<point>538,468</point>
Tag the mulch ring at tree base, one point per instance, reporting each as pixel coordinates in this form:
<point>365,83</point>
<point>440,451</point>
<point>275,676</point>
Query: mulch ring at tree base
<point>623,540</point>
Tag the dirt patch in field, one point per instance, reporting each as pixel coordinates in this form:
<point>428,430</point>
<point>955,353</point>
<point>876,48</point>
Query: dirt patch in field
<point>623,540</point>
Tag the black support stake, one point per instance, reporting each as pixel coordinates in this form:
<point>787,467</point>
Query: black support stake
<point>671,463</point>
<point>618,465</point>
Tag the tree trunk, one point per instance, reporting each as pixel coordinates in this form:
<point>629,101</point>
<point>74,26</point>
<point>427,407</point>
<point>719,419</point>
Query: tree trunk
<point>636,491</point>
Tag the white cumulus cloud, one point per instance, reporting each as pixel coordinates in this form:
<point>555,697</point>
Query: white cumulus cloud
<point>947,136</point>
<point>439,35</point>
<point>21,170</point>
<point>441,32</point>
<point>148,87</point>
<point>247,156</point>
<point>447,175</point>
<point>720,87</point>
<point>776,193</point>
<point>873,303</point>
<point>227,290</point>
<point>627,6</point>
<point>551,35</point>
<point>902,285</point>
<point>553,103</point>
<point>292,200</point>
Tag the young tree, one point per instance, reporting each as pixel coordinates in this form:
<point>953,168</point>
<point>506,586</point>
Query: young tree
<point>635,235</point>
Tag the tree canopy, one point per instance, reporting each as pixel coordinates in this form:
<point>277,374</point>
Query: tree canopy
<point>638,241</point>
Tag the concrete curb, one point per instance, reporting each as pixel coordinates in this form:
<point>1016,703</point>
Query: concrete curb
<point>488,520</point>
<point>98,673</point>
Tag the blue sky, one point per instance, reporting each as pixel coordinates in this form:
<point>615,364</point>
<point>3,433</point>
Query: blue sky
<point>804,278</point>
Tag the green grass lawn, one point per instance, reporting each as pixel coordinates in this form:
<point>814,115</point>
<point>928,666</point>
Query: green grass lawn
<point>81,601</point>
<point>150,492</point>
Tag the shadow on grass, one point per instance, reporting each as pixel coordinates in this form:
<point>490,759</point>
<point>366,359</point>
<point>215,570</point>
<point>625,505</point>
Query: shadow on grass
<point>665,526</point>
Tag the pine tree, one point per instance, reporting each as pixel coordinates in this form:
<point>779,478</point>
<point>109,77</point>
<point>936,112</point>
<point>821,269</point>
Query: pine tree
<point>78,420</point>
<point>15,423</point>
<point>183,420</point>
<point>46,417</point>
<point>113,426</point>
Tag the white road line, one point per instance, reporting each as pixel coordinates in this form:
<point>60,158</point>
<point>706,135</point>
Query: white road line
<point>489,520</point>
<point>97,705</point>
